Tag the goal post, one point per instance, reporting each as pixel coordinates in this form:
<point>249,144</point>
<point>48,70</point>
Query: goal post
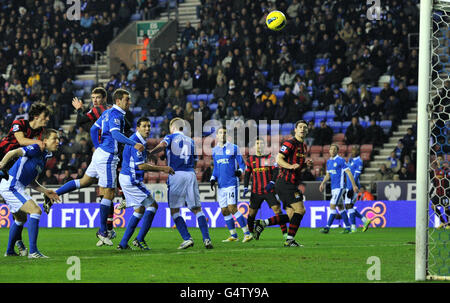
<point>433,133</point>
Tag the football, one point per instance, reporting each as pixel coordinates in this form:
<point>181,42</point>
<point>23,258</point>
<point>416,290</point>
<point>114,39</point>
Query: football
<point>276,20</point>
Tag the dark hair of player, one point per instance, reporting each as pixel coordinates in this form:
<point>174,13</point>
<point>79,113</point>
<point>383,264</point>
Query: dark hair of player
<point>300,121</point>
<point>38,108</point>
<point>141,120</point>
<point>99,90</point>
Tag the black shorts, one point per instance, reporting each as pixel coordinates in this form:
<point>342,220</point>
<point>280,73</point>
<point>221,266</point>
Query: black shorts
<point>288,193</point>
<point>256,200</point>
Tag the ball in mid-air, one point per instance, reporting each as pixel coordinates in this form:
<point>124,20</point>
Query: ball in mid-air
<point>276,20</point>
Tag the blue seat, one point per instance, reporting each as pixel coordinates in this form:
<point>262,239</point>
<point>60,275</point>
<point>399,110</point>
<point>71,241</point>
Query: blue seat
<point>320,115</point>
<point>335,125</point>
<point>345,124</point>
<point>386,124</point>
<point>279,94</point>
<point>330,114</point>
<point>159,119</point>
<point>78,83</point>
<point>152,119</point>
<point>308,116</point>
<point>191,98</point>
<point>135,17</point>
<point>79,93</point>
<point>265,73</point>
<point>203,97</point>
<point>375,90</point>
<point>321,61</point>
<point>263,129</point>
<point>287,127</point>
<point>136,110</point>
<point>89,83</point>
<point>301,72</point>
<point>209,97</point>
<point>364,123</point>
<point>213,107</point>
<point>269,84</point>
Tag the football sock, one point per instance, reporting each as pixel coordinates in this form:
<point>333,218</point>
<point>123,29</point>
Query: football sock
<point>294,224</point>
<point>352,217</point>
<point>149,214</point>
<point>135,218</point>
<point>284,228</point>
<point>68,187</point>
<point>110,219</point>
<point>33,229</point>
<point>277,220</point>
<point>358,215</point>
<point>242,222</point>
<point>250,223</point>
<point>202,224</point>
<point>181,226</point>
<point>439,214</point>
<point>231,225</point>
<point>331,218</point>
<point>105,205</point>
<point>14,231</point>
<point>344,216</point>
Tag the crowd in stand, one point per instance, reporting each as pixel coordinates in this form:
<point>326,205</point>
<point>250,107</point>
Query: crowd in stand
<point>230,54</point>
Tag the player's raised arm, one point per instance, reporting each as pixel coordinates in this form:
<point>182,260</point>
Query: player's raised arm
<point>159,148</point>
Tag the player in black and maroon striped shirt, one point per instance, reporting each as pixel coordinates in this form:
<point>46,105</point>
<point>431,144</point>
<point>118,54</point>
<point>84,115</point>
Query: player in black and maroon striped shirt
<point>263,170</point>
<point>86,119</point>
<point>290,160</point>
<point>26,132</point>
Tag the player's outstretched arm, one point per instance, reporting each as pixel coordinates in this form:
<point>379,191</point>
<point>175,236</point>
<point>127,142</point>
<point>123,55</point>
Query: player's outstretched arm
<point>48,192</point>
<point>158,148</point>
<point>15,153</point>
<point>151,167</point>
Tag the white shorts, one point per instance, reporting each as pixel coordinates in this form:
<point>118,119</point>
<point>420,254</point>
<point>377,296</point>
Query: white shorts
<point>103,167</point>
<point>227,196</point>
<point>135,194</point>
<point>15,197</point>
<point>337,196</point>
<point>347,199</point>
<point>182,190</point>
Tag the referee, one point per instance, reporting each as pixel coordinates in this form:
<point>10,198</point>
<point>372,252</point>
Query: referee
<point>291,160</point>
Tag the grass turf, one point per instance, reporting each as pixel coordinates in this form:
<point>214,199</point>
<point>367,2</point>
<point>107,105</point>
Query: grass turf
<point>330,258</point>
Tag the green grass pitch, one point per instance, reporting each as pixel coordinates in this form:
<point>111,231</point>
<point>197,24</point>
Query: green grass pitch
<point>331,258</point>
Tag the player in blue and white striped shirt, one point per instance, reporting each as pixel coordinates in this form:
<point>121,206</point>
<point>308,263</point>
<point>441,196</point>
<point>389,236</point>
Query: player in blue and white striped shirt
<point>136,194</point>
<point>355,164</point>
<point>228,167</point>
<point>336,170</point>
<point>24,172</point>
<point>182,187</point>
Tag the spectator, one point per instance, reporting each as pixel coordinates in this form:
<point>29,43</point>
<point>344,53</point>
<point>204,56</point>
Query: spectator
<point>384,173</point>
<point>307,172</point>
<point>281,112</point>
<point>324,134</point>
<point>313,134</point>
<point>404,174</point>
<point>87,52</point>
<point>268,95</point>
<point>354,133</point>
<point>48,178</point>
<point>365,195</point>
<point>374,134</point>
<point>287,77</point>
<point>66,177</point>
<point>409,139</point>
<point>394,162</point>
<point>257,109</point>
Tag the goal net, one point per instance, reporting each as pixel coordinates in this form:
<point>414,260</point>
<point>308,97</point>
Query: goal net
<point>438,112</point>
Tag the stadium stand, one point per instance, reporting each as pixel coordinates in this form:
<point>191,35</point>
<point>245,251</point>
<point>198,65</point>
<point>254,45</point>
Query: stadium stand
<point>223,47</point>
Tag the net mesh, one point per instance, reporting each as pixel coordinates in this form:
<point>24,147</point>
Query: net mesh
<point>438,265</point>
